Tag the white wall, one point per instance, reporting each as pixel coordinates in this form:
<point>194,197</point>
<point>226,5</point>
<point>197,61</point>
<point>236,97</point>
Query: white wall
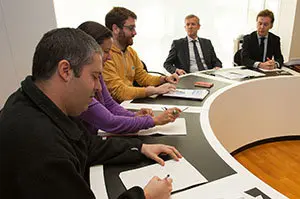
<point>8,73</point>
<point>286,21</point>
<point>295,45</point>
<point>22,24</point>
<point>161,21</point>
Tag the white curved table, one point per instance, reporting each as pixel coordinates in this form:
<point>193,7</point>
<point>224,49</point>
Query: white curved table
<point>239,114</point>
<point>243,113</point>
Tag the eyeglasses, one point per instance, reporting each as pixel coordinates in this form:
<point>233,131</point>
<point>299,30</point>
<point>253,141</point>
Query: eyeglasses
<point>130,28</point>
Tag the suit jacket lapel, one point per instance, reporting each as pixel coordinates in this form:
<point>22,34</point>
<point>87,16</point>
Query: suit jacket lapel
<point>269,47</point>
<point>186,52</point>
<point>255,38</point>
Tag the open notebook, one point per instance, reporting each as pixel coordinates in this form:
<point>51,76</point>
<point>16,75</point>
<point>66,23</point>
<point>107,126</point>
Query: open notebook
<point>184,175</point>
<point>178,127</point>
<point>188,93</point>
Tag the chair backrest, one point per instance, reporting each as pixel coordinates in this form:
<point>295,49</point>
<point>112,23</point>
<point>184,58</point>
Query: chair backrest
<point>237,59</point>
<point>145,68</point>
<point>293,62</point>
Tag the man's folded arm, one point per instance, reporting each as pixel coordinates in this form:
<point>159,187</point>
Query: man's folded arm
<point>114,150</point>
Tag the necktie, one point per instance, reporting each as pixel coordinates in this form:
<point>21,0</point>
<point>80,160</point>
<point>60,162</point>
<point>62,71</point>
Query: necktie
<point>262,48</point>
<point>197,56</point>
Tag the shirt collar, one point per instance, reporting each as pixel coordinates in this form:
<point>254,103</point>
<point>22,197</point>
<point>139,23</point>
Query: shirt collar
<point>266,37</point>
<point>191,39</point>
<point>65,123</point>
<point>116,49</point>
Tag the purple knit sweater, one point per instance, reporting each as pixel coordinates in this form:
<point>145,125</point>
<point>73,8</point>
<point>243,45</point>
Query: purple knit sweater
<point>106,114</point>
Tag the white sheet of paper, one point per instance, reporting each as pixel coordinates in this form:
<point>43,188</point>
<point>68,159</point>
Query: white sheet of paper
<point>237,195</point>
<point>188,93</point>
<point>97,182</point>
<point>250,73</point>
<point>238,74</point>
<point>272,70</point>
<point>259,197</point>
<point>182,172</point>
<point>231,75</point>
<point>178,127</point>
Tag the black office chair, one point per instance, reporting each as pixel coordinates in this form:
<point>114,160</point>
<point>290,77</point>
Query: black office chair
<point>151,72</point>
<point>293,64</point>
<point>237,59</point>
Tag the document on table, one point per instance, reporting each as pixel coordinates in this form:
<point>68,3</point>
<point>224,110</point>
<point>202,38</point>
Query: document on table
<point>250,73</point>
<point>271,70</point>
<point>238,74</point>
<point>239,196</point>
<point>188,93</point>
<point>184,175</point>
<point>178,127</point>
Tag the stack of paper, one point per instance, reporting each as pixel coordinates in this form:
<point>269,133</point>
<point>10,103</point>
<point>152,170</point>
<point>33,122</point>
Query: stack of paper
<point>270,70</point>
<point>178,127</point>
<point>188,93</point>
<point>184,175</point>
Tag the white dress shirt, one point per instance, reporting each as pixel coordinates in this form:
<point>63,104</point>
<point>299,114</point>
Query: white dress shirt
<point>193,63</point>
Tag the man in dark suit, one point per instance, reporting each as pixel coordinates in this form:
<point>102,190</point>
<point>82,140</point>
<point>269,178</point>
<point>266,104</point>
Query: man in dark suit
<point>192,53</point>
<point>261,49</point>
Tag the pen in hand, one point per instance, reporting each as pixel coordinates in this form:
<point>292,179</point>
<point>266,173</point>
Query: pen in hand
<point>167,177</point>
<point>174,111</point>
<point>184,109</point>
<point>164,108</point>
<point>272,62</point>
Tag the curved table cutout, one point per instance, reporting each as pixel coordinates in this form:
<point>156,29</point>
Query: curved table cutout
<point>255,110</point>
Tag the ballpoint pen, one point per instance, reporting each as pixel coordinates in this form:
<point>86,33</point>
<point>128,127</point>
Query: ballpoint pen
<point>167,177</point>
<point>175,112</point>
<point>184,109</point>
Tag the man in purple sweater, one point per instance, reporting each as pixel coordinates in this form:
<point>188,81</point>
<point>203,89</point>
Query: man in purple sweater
<point>106,114</point>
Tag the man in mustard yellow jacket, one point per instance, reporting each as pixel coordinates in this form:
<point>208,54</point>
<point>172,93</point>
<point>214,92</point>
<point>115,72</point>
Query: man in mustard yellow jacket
<point>125,67</point>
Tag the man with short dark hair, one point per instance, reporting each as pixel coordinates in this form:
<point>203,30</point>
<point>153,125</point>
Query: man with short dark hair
<point>45,152</point>
<point>261,48</point>
<point>192,53</point>
<point>125,67</point>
